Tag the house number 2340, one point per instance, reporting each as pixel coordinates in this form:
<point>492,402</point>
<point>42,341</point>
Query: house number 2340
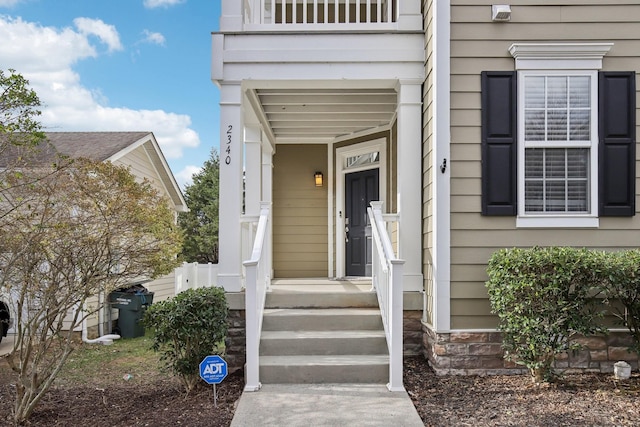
<point>227,159</point>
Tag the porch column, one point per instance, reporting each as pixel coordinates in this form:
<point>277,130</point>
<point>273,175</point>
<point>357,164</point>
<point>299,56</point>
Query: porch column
<point>253,160</point>
<point>410,182</point>
<point>231,15</point>
<point>267,195</point>
<point>230,259</point>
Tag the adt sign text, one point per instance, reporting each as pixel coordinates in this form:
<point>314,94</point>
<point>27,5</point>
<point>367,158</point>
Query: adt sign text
<point>213,369</point>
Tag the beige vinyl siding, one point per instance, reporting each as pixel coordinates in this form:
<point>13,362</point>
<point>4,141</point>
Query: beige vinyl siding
<point>480,45</point>
<point>427,161</point>
<point>300,225</point>
<point>163,287</point>
<point>140,166</point>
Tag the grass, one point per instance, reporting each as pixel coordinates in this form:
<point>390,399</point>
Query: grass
<point>100,365</point>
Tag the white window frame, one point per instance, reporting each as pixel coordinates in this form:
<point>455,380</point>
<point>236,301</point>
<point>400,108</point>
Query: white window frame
<point>564,59</point>
<point>559,219</point>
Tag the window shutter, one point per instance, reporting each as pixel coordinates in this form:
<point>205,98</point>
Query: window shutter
<point>499,151</point>
<point>617,143</point>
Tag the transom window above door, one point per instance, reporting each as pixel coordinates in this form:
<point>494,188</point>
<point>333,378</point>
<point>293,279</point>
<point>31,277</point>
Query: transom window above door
<point>362,160</point>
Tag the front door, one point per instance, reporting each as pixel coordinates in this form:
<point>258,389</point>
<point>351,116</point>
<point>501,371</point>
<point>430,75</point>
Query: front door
<point>361,188</point>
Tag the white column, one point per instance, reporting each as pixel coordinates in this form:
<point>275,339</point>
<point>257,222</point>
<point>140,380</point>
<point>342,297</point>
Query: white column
<point>410,182</point>
<point>267,196</point>
<point>253,175</point>
<point>441,208</point>
<point>409,15</point>
<point>230,237</point>
<point>231,15</point>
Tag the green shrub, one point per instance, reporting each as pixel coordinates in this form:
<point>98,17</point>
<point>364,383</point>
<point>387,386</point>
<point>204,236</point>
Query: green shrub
<point>622,284</point>
<point>187,328</point>
<point>544,297</point>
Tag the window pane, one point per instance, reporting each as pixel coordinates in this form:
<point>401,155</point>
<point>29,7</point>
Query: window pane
<point>533,196</point>
<point>534,125</point>
<point>555,163</point>
<point>577,195</point>
<point>533,163</point>
<point>555,196</point>
<point>580,123</point>
<point>534,92</point>
<point>578,163</point>
<point>579,92</point>
<point>557,92</point>
<point>557,125</point>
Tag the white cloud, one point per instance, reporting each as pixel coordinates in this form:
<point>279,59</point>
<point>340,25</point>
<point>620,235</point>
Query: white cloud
<point>152,4</point>
<point>9,3</point>
<point>105,32</point>
<point>185,176</point>
<point>153,38</point>
<point>45,56</point>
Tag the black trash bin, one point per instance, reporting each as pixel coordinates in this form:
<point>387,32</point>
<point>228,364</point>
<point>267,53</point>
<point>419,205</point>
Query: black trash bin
<point>131,307</point>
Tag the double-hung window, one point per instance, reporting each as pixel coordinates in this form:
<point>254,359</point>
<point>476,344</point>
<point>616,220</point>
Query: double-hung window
<point>557,147</point>
<point>558,137</point>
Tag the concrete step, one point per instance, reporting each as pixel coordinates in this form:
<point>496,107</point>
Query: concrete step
<point>290,343</point>
<point>320,299</point>
<point>324,369</point>
<point>319,319</point>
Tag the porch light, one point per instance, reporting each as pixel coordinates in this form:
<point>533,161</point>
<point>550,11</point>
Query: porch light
<point>318,178</point>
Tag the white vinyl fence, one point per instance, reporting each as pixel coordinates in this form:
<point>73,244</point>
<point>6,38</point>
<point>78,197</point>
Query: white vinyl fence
<point>194,275</point>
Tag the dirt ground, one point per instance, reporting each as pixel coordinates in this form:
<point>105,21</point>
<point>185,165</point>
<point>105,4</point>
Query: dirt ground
<point>577,400</point>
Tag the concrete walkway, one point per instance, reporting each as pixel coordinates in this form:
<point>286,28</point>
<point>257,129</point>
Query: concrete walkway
<point>309,405</point>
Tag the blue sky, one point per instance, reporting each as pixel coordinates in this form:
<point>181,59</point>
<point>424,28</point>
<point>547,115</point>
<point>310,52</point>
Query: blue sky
<point>119,65</point>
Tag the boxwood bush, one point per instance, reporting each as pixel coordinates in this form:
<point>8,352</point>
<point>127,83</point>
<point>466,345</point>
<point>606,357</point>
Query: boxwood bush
<point>544,297</point>
<point>621,286</point>
<point>187,328</point>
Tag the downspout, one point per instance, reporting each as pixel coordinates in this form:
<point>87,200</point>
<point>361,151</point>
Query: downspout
<point>104,339</point>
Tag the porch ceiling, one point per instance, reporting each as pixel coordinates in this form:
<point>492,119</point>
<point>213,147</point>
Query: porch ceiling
<point>299,115</point>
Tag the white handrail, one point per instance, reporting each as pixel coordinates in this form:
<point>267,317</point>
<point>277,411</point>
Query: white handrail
<point>387,281</point>
<point>256,286</point>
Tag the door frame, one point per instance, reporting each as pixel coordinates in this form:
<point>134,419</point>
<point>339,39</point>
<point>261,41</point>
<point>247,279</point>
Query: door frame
<point>342,153</point>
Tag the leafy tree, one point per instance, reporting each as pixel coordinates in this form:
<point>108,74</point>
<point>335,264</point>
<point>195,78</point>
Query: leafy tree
<point>81,230</point>
<point>200,224</point>
<point>19,107</point>
<point>189,327</point>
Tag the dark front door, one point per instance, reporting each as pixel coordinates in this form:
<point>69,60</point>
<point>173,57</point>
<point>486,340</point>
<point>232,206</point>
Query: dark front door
<point>361,188</point>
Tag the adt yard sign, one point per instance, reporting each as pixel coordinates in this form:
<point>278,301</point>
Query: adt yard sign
<point>213,369</point>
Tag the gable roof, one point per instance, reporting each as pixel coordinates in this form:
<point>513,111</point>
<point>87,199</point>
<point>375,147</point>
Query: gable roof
<point>101,147</point>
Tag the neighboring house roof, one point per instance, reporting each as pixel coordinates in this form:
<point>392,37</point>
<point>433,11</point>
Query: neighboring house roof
<point>109,146</point>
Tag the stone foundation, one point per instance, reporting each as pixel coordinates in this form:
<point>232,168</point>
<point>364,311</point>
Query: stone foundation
<point>412,334</point>
<point>236,354</point>
<point>480,353</point>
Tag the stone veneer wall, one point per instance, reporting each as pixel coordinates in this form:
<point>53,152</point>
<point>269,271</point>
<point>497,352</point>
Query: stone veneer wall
<point>236,354</point>
<point>480,353</point>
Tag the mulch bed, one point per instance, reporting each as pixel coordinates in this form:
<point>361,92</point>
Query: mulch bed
<point>576,400</point>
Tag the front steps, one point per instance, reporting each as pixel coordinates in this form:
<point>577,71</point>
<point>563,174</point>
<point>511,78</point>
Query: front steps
<point>322,331</point>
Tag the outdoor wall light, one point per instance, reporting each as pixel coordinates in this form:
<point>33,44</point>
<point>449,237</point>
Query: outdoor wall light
<point>318,178</point>
<point>500,12</point>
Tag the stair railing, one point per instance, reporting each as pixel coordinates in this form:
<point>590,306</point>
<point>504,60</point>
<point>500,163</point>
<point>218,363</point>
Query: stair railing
<point>257,272</point>
<point>387,281</point>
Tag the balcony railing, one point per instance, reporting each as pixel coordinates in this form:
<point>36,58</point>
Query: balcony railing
<point>289,14</point>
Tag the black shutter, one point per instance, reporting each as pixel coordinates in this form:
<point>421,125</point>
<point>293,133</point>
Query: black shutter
<point>499,138</point>
<point>617,143</point>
